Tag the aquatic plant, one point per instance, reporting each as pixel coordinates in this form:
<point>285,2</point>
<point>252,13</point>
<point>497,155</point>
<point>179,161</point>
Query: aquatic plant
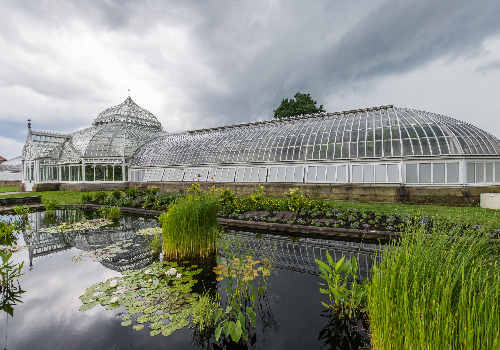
<point>433,291</point>
<point>347,299</point>
<point>9,291</point>
<point>50,206</point>
<point>7,236</point>
<point>111,213</point>
<point>79,225</point>
<point>204,311</point>
<point>233,322</point>
<point>153,237</point>
<point>240,274</point>
<point>190,227</point>
<point>159,294</point>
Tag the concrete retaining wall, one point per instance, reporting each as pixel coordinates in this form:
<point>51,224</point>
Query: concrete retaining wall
<point>455,196</point>
<point>10,183</point>
<point>8,202</point>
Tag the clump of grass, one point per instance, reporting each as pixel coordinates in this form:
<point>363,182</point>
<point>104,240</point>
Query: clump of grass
<point>436,292</point>
<point>204,310</point>
<point>190,227</point>
<point>50,206</point>
<point>112,213</point>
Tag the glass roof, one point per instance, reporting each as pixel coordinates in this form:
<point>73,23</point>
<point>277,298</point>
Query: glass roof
<point>117,132</point>
<point>380,132</point>
<point>127,111</point>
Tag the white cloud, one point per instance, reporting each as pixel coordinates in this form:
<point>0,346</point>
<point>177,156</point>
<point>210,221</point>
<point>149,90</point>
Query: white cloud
<point>10,148</point>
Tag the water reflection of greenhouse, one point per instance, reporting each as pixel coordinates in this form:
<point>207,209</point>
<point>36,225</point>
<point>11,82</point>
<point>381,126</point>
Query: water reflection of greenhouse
<point>381,145</point>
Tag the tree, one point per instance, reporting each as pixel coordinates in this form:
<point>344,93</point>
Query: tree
<point>303,104</point>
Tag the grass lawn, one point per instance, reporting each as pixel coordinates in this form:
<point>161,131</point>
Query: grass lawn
<point>63,197</point>
<point>8,189</point>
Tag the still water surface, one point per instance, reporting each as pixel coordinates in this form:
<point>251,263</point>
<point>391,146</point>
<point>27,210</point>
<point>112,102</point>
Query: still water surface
<point>289,314</point>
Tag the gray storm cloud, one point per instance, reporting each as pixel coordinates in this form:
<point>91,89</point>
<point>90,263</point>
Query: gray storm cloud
<point>199,64</point>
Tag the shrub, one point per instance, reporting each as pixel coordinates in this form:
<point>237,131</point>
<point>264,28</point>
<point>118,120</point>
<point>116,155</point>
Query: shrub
<point>7,236</point>
<point>86,198</point>
<point>435,291</point>
<point>152,191</point>
<point>100,196</point>
<point>51,205</point>
<point>190,227</point>
<point>132,193</point>
<point>116,194</point>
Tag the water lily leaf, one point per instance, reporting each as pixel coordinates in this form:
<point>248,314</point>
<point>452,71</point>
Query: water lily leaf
<point>150,309</point>
<point>142,319</point>
<point>126,317</point>
<point>155,332</point>
<point>138,327</point>
<point>126,323</point>
<point>155,318</point>
<point>88,306</point>
<point>167,330</point>
<point>182,323</point>
<point>156,325</point>
<point>112,306</point>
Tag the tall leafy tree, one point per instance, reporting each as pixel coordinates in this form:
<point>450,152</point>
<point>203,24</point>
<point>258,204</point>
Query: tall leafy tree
<point>302,104</point>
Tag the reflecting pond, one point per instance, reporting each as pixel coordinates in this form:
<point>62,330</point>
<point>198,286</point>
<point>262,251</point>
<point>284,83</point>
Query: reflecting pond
<point>61,264</point>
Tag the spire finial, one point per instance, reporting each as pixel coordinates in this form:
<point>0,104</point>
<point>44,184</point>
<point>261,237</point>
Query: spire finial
<point>29,123</point>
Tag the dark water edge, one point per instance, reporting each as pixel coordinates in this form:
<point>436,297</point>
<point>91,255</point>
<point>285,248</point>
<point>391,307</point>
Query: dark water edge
<point>289,314</point>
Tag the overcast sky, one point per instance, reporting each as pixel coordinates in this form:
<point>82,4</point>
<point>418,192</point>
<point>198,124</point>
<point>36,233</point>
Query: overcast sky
<point>200,64</point>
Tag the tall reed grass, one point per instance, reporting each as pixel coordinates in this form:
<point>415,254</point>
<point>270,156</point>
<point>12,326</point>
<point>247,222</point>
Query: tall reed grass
<point>190,227</point>
<point>436,292</point>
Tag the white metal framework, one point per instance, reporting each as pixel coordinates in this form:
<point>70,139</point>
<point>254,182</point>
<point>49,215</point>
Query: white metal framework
<point>374,145</point>
<point>381,145</point>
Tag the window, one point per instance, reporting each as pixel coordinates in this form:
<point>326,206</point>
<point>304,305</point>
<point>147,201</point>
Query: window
<point>424,173</point>
<point>368,173</point>
<point>411,173</point>
<point>380,173</point>
<point>438,172</point>
<point>452,175</point>
<point>357,173</point>
<point>311,174</point>
<point>392,173</point>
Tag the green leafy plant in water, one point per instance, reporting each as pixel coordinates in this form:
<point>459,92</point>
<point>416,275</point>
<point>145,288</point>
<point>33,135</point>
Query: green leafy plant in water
<point>204,310</point>
<point>7,236</point>
<point>159,294</point>
<point>190,227</point>
<point>79,225</point>
<point>153,237</point>
<point>10,292</point>
<point>111,213</point>
<point>348,300</point>
<point>232,322</point>
<point>50,206</point>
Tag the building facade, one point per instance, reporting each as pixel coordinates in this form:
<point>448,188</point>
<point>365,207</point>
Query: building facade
<point>374,146</point>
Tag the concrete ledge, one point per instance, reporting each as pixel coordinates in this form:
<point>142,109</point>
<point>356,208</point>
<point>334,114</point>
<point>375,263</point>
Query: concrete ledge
<point>20,200</point>
<point>309,230</point>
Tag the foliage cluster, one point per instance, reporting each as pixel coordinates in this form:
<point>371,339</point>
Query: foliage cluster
<point>435,291</point>
<point>345,299</point>
<point>159,294</point>
<point>50,206</point>
<point>302,104</point>
<point>190,226</point>
<point>111,213</point>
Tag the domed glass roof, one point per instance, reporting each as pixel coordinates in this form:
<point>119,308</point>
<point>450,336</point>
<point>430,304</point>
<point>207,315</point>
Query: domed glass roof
<point>380,132</point>
<point>127,111</point>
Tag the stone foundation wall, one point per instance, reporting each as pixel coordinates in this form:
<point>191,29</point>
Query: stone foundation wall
<point>455,196</point>
<point>10,183</point>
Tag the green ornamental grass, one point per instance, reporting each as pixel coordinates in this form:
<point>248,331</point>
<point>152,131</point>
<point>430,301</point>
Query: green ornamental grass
<point>190,227</point>
<point>436,292</point>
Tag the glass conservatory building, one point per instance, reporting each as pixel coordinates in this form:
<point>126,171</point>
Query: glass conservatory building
<point>100,153</point>
<point>381,145</point>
